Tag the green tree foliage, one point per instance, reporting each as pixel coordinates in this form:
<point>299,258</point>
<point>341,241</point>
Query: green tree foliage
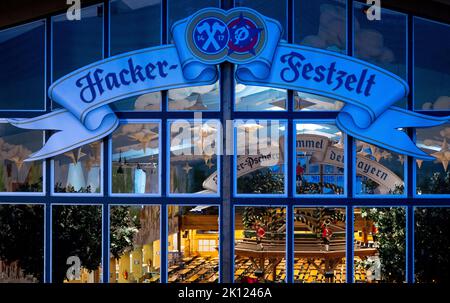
<point>77,231</point>
<point>261,182</point>
<point>124,226</point>
<point>432,245</point>
<point>436,184</point>
<point>22,237</point>
<point>432,234</point>
<point>391,225</point>
<point>269,218</point>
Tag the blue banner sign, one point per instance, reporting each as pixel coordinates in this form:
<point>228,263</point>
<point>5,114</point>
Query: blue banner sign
<point>252,42</point>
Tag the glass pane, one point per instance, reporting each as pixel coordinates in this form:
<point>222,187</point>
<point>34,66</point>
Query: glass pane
<point>79,171</point>
<point>379,171</point>
<point>319,245</point>
<point>77,244</point>
<point>260,156</point>
<point>22,62</point>
<point>380,245</point>
<point>311,102</point>
<point>135,25</point>
<point>258,98</point>
<point>433,177</point>
<point>382,42</point>
<point>431,65</point>
<point>321,24</point>
<point>193,244</point>
<point>193,157</point>
<point>275,9</point>
<point>195,98</point>
<point>16,145</point>
<point>192,98</point>
<point>180,9</point>
<point>135,159</point>
<point>260,244</point>
<point>135,244</point>
<point>432,245</point>
<point>21,243</point>
<point>77,43</point>
<point>319,159</point>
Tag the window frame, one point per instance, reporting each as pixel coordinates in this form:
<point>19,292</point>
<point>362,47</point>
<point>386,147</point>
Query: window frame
<point>410,200</point>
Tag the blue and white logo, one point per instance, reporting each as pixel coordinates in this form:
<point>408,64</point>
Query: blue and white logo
<point>211,35</point>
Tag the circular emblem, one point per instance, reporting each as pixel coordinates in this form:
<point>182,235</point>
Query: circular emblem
<point>210,35</point>
<point>238,35</point>
<point>244,35</point>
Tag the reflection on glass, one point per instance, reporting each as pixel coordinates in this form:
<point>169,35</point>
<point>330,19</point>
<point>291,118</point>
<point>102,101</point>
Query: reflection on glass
<point>146,102</point>
<point>22,243</point>
<point>319,159</point>
<point>79,170</point>
<point>432,245</point>
<point>193,157</point>
<point>383,42</point>
<point>135,244</point>
<point>76,44</point>
<point>200,98</point>
<point>378,171</point>
<point>380,245</point>
<point>319,245</point>
<point>257,98</point>
<point>433,177</point>
<point>22,62</point>
<point>135,25</point>
<point>311,102</point>
<point>260,244</point>
<point>193,244</point>
<point>180,9</point>
<point>260,150</point>
<point>275,9</point>
<point>77,241</point>
<point>431,65</point>
<point>135,158</point>
<point>196,98</point>
<point>323,26</point>
<point>16,145</point>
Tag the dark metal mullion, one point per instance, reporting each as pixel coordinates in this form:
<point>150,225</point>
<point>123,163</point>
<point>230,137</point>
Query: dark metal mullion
<point>410,160</point>
<point>291,160</point>
<point>164,150</point>
<point>105,163</point>
<point>48,206</point>
<point>226,246</point>
<point>349,162</point>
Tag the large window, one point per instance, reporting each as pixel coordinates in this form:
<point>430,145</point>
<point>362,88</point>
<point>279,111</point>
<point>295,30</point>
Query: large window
<point>224,182</point>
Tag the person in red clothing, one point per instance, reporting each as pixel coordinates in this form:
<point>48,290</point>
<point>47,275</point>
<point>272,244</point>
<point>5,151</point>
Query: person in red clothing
<point>326,235</point>
<point>260,233</point>
<point>374,233</point>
